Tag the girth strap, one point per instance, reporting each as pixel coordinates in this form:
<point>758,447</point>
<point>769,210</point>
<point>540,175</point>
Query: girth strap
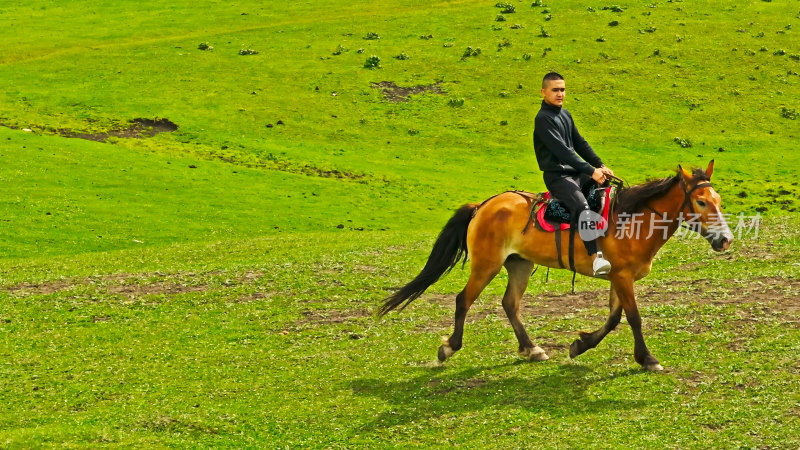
<point>558,248</point>
<point>572,247</point>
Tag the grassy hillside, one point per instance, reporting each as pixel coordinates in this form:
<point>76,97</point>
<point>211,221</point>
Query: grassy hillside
<point>215,285</point>
<point>655,76</point>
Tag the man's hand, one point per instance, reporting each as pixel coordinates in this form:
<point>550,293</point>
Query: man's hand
<point>606,171</point>
<point>599,176</point>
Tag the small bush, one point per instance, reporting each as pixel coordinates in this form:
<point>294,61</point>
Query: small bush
<point>503,122</point>
<point>787,113</point>
<point>426,36</point>
<point>339,50</point>
<point>613,8</point>
<point>537,3</point>
<point>373,62</point>
<point>543,33</point>
<point>504,94</point>
<point>361,50</point>
<point>448,44</point>
<point>456,102</point>
<point>402,56</point>
<point>205,46</point>
<point>471,52</point>
<point>613,23</point>
<point>504,43</point>
<point>247,51</point>
<point>779,52</point>
<point>413,132</point>
<point>509,9</point>
<point>500,18</point>
<point>372,36</point>
<point>526,56</point>
<point>685,143</point>
<point>517,26</point>
<point>601,39</point>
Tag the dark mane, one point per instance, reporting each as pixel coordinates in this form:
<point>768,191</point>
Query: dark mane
<point>633,199</point>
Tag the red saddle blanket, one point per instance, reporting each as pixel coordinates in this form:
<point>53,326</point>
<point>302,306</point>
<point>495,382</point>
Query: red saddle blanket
<point>548,226</point>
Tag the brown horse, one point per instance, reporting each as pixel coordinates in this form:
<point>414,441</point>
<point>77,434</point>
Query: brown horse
<point>492,235</point>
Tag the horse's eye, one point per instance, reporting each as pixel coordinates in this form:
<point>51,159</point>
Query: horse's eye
<point>701,203</point>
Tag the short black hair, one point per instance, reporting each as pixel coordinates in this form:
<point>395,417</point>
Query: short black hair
<point>551,76</point>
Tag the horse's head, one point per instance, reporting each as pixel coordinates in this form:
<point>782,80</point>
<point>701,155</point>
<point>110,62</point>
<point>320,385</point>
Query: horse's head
<point>702,208</point>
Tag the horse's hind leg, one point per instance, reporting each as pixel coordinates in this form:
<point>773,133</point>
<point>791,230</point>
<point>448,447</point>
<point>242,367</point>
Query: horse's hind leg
<point>590,340</point>
<point>481,273</point>
<point>519,272</point>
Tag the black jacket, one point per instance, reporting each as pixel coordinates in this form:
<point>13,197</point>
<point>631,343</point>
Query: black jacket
<point>558,145</point>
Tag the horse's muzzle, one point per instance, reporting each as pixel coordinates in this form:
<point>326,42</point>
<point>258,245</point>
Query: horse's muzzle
<point>721,243</point>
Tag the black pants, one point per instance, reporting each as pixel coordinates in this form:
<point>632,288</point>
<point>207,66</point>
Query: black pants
<point>568,189</point>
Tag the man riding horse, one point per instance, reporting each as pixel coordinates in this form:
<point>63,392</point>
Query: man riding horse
<point>567,160</point>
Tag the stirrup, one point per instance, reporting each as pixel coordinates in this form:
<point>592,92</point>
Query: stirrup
<point>601,266</point>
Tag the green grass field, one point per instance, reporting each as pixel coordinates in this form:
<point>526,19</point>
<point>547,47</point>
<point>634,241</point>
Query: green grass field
<point>216,285</point>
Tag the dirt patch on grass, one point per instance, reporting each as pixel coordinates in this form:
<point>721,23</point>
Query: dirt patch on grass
<point>775,293</point>
<point>158,288</point>
<point>396,94</point>
<point>139,128</point>
<point>770,295</point>
<point>328,317</point>
<point>141,284</point>
<point>44,288</point>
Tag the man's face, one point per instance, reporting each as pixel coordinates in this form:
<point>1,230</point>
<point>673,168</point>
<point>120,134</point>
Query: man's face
<point>554,92</point>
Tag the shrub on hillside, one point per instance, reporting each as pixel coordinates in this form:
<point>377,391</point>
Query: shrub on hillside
<point>471,52</point>
<point>205,46</point>
<point>372,36</point>
<point>247,51</point>
<point>373,62</point>
<point>685,143</point>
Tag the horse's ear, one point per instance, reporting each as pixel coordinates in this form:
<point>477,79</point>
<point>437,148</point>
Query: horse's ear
<point>686,175</point>
<point>710,169</point>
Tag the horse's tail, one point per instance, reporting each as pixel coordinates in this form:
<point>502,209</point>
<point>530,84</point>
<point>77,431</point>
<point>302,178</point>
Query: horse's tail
<point>449,249</point>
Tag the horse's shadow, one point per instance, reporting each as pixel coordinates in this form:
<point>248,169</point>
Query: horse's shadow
<point>433,392</point>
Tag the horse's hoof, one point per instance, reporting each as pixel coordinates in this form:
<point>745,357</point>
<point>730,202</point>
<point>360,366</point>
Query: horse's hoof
<point>655,367</point>
<point>445,351</point>
<point>534,354</point>
<point>575,349</point>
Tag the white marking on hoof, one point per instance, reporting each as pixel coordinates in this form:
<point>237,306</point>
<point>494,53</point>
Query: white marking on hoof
<point>653,367</point>
<point>446,349</point>
<point>534,354</point>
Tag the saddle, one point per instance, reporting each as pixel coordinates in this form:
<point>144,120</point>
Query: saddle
<point>551,214</point>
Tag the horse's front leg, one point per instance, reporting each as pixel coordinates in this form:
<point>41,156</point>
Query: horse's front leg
<point>622,283</point>
<point>590,340</point>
